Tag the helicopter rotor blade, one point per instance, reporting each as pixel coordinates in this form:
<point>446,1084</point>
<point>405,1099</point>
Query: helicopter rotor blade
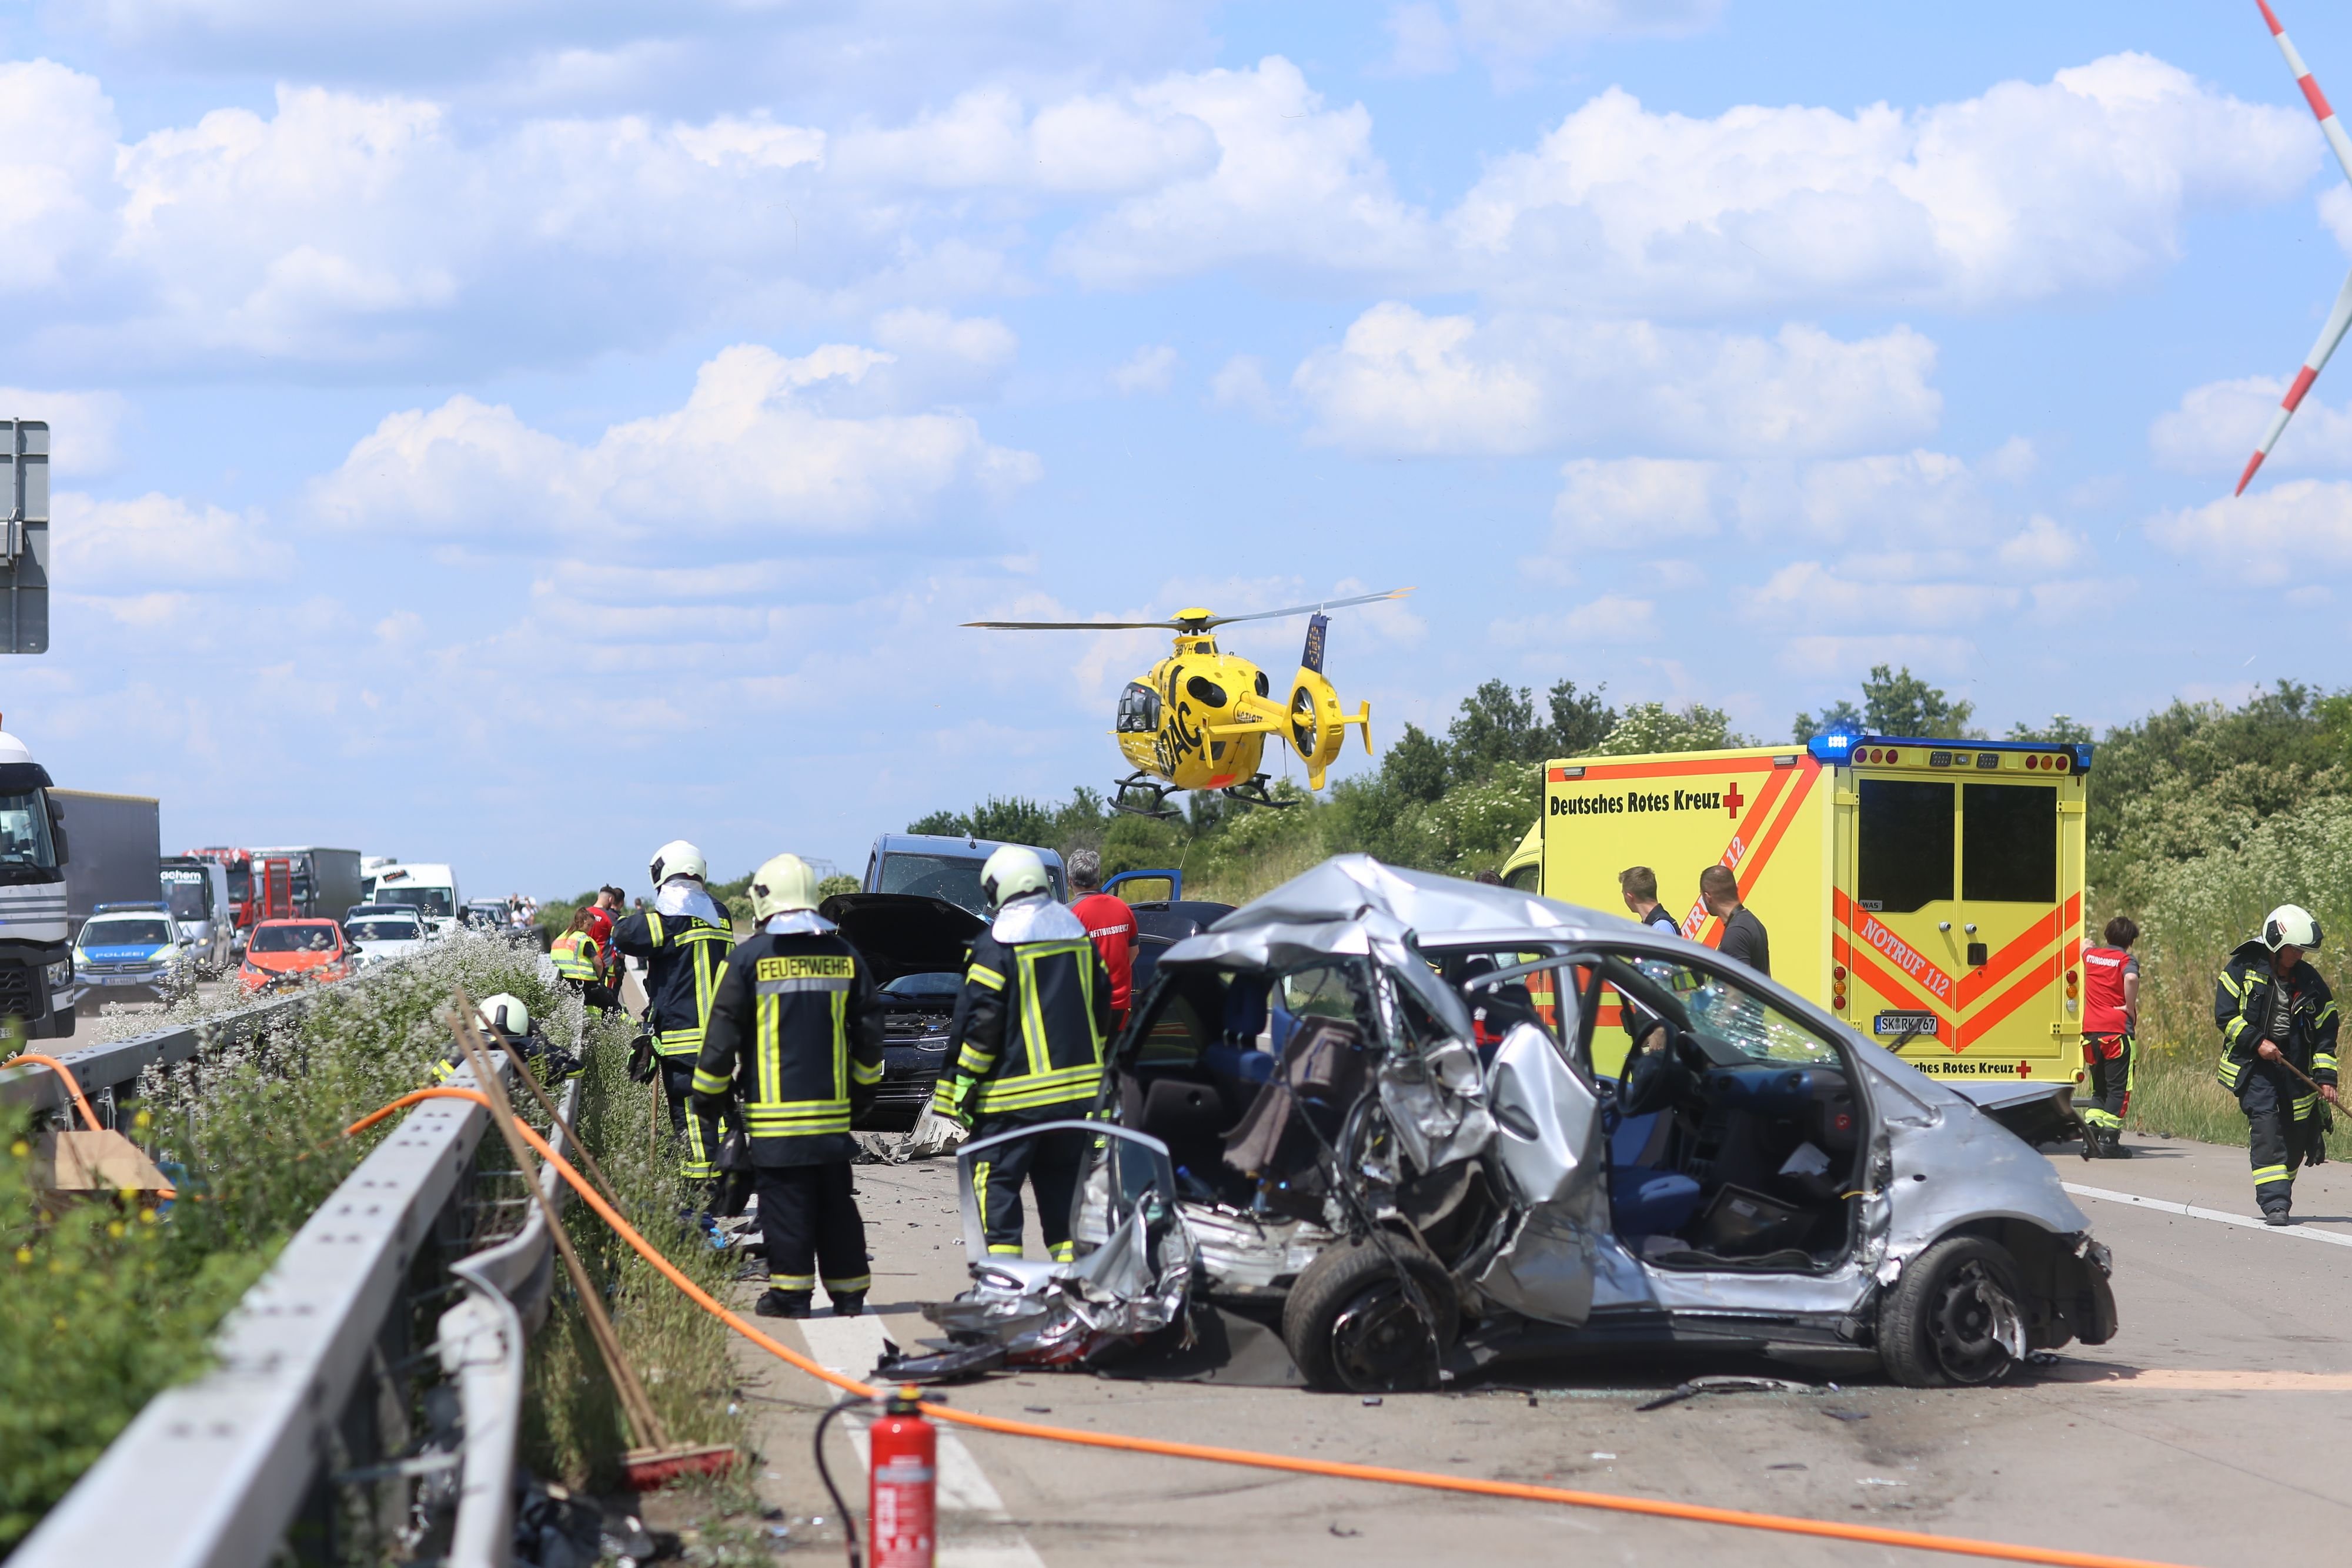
<point>1076,625</point>
<point>1305,609</point>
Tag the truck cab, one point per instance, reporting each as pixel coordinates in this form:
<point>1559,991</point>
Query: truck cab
<point>196,892</point>
<point>431,890</point>
<point>931,865</point>
<point>36,973</point>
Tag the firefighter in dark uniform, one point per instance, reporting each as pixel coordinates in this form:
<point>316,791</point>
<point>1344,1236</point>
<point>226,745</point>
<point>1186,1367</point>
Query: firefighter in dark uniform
<point>1027,1047</point>
<point>2275,1011</point>
<point>683,940</point>
<point>795,1037</point>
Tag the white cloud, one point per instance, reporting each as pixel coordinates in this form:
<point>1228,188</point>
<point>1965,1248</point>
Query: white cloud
<point>85,427</point>
<point>1824,657</point>
<point>2265,537</point>
<point>1293,184</point>
<point>753,452</point>
<point>1421,40</point>
<point>1525,28</point>
<point>1611,618</point>
<point>1094,145</point>
<point>59,130</point>
<point>1810,592</point>
<point>2042,547</point>
<point>1148,369</point>
<point>2214,427</point>
<point>158,543</point>
<point>2013,462</point>
<point>2027,190</point>
<point>1635,503</point>
<point>1240,383</point>
<point>1405,383</point>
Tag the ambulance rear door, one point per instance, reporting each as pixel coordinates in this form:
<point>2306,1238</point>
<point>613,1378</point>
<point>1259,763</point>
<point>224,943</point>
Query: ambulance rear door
<point>1958,906</point>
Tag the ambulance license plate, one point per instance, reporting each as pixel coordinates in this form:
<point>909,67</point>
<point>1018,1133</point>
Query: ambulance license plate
<point>1906,1023</point>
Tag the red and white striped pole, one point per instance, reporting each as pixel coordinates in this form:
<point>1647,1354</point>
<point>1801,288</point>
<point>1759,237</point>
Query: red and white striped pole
<point>2340,317</point>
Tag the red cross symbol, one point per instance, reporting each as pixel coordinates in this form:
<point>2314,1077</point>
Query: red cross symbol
<point>1732,800</point>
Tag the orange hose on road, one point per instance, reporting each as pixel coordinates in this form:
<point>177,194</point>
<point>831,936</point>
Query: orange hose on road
<point>1693,1513</point>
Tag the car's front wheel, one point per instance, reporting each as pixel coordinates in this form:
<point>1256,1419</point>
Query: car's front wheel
<point>1351,1324</point>
<point>1954,1317</point>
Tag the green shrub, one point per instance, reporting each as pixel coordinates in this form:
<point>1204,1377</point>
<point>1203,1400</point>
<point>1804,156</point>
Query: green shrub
<point>253,1137</point>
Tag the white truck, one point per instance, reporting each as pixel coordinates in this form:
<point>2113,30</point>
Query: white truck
<point>430,890</point>
<point>36,974</point>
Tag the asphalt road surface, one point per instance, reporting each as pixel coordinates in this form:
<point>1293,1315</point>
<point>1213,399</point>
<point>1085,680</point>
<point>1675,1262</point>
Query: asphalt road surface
<point>2214,1429</point>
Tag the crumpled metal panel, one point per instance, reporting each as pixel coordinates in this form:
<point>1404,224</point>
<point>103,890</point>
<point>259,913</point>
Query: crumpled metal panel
<point>1437,1105</point>
<point>1134,1284</point>
<point>1341,907</point>
<point>1952,1163</point>
<point>1243,1252</point>
<point>1549,1147</point>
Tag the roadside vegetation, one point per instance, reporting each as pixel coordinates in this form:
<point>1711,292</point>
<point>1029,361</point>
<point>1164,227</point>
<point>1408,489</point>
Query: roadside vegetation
<point>573,1431</point>
<point>2202,816</point>
<point>107,1304</point>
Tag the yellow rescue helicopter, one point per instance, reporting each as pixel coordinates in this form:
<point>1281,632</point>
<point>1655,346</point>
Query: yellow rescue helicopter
<point>1199,718</point>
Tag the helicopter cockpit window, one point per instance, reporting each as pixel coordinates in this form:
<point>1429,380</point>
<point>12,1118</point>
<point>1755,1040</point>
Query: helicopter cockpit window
<point>1206,692</point>
<point>1139,709</point>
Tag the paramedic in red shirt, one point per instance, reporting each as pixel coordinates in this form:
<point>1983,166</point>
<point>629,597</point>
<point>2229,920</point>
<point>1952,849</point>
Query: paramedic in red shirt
<point>2110,1017</point>
<point>1110,922</point>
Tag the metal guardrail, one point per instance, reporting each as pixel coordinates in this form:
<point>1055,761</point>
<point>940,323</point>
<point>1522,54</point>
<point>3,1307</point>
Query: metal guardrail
<point>483,1339</point>
<point>104,1067</point>
<point>231,1471</point>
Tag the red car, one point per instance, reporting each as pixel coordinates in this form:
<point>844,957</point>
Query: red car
<point>289,952</point>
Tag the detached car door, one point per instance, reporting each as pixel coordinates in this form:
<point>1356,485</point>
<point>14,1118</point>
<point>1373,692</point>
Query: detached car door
<point>1549,1155</point>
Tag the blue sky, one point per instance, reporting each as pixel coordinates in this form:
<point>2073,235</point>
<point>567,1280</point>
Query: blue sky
<point>519,432</point>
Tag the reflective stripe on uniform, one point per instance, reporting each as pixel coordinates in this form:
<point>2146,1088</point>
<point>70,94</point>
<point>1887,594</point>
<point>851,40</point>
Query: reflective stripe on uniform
<point>2265,1175</point>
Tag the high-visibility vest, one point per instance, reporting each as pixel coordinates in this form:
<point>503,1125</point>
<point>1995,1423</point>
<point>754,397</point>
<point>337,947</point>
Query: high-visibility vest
<point>576,957</point>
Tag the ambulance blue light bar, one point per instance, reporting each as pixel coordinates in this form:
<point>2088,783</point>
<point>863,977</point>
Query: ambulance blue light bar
<point>1839,747</point>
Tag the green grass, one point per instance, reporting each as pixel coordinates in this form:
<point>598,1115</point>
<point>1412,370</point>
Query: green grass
<point>105,1309</point>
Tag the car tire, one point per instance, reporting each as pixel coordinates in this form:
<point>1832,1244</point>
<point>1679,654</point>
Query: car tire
<point>1351,1327</point>
<point>1936,1327</point>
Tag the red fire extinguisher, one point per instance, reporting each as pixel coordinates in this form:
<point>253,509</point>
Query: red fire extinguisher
<point>902,1511</point>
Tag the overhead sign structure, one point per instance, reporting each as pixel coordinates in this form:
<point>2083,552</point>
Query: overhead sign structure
<point>25,536</point>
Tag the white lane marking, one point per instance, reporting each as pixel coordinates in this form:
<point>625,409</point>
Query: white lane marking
<point>2334,1238</point>
<point>851,1346</point>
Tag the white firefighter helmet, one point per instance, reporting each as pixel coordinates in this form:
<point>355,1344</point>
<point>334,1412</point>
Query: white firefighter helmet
<point>506,1013</point>
<point>780,885</point>
<point>678,858</point>
<point>1016,871</point>
<point>2290,925</point>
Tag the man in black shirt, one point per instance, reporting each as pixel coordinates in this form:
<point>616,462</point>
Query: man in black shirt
<point>1640,885</point>
<point>1743,934</point>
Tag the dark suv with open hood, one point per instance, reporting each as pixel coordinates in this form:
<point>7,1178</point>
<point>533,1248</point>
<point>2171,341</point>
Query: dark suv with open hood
<point>916,947</point>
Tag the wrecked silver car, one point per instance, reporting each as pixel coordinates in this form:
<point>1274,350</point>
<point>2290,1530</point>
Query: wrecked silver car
<point>1380,1121</point>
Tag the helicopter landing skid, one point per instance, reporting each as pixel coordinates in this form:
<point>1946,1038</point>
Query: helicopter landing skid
<point>1157,806</point>
<point>1254,794</point>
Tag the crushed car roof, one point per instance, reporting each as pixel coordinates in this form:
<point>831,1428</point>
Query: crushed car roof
<point>1350,901</point>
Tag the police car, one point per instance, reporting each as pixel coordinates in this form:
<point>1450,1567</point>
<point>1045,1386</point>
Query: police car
<point>133,952</point>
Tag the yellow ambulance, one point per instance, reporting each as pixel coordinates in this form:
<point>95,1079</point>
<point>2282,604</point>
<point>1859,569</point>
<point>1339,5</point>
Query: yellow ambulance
<point>1929,893</point>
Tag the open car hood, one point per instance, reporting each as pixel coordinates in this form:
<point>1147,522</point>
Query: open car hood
<point>904,933</point>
